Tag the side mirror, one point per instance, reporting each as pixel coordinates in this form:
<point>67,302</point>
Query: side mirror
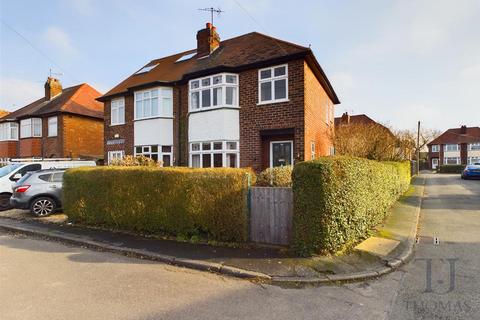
<point>17,177</point>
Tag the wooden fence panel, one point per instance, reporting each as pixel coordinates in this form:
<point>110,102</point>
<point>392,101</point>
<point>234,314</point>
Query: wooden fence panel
<point>271,211</point>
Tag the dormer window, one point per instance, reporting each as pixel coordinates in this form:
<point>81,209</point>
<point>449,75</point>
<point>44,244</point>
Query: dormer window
<point>220,90</point>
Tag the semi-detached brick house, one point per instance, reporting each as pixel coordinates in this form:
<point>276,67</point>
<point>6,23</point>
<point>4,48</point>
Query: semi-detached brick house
<point>455,146</point>
<point>249,101</point>
<point>65,123</point>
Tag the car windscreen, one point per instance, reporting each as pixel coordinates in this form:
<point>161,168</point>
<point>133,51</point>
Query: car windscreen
<point>9,168</point>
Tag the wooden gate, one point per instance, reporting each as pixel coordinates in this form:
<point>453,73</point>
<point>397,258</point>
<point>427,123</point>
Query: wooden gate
<point>271,211</point>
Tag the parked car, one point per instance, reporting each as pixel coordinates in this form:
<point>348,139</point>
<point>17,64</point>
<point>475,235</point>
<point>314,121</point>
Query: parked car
<point>39,191</point>
<point>471,171</point>
<point>15,170</point>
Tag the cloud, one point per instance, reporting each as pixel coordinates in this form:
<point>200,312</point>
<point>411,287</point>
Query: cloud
<point>16,93</point>
<point>60,40</point>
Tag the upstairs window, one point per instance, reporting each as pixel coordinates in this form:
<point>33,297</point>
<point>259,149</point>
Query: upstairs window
<point>273,84</point>
<point>154,103</point>
<point>52,126</point>
<point>474,146</point>
<point>8,131</point>
<point>451,147</point>
<point>31,127</point>
<point>117,111</point>
<point>435,148</point>
<point>220,90</point>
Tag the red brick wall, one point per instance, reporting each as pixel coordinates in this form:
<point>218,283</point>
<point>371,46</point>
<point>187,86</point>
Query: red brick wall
<point>30,147</point>
<point>285,115</point>
<point>316,128</point>
<point>82,136</point>
<point>52,146</point>
<point>8,149</point>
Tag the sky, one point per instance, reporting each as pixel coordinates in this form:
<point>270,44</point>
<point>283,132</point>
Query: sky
<point>397,61</point>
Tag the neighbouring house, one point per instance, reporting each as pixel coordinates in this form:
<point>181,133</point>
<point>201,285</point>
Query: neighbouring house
<point>455,146</point>
<point>65,123</point>
<point>249,101</point>
<point>363,119</point>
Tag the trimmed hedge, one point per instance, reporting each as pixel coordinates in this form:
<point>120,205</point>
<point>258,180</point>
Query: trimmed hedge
<point>275,177</point>
<point>338,200</point>
<point>451,168</point>
<point>176,201</point>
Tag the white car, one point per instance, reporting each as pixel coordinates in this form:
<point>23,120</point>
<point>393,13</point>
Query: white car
<point>15,170</point>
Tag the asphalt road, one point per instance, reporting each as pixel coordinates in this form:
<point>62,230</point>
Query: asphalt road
<point>48,280</point>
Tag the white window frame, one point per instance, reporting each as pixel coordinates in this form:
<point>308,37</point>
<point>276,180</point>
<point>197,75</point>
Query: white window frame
<point>117,107</point>
<point>474,146</point>
<point>451,144</point>
<point>473,159</point>
<point>271,151</point>
<point>52,130</point>
<point>435,148</point>
<point>6,129</point>
<point>163,93</point>
<point>435,162</point>
<point>272,79</point>
<point>224,151</point>
<point>147,152</point>
<point>457,160</point>
<point>30,123</point>
<point>223,85</point>
<point>115,155</point>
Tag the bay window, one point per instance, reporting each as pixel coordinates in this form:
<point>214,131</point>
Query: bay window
<point>273,84</point>
<point>153,103</point>
<point>220,90</point>
<point>52,126</point>
<point>214,154</point>
<point>451,147</point>
<point>474,146</point>
<point>473,160</point>
<point>117,111</point>
<point>8,131</point>
<point>451,160</point>
<point>31,127</point>
<point>157,153</point>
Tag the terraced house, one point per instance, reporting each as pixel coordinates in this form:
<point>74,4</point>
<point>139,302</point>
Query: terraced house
<point>249,101</point>
<point>65,123</point>
<point>455,146</point>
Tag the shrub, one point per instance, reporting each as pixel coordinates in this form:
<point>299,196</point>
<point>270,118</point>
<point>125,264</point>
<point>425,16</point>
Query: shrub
<point>338,200</point>
<point>451,168</point>
<point>275,177</point>
<point>134,161</point>
<point>177,201</point>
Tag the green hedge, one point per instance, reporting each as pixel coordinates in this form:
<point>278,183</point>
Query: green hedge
<point>338,200</point>
<point>275,177</point>
<point>175,201</point>
<point>451,168</point>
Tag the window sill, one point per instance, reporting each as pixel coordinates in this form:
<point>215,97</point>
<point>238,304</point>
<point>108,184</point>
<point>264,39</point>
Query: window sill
<point>117,124</point>
<point>272,102</point>
<point>213,108</point>
<point>53,136</point>
<point>157,117</point>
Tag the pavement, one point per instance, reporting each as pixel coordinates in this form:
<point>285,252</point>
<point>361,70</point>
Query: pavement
<point>389,247</point>
<point>42,279</point>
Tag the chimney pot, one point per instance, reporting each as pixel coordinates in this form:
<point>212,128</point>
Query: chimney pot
<point>463,129</point>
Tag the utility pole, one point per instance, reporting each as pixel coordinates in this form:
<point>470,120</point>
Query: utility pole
<point>418,148</point>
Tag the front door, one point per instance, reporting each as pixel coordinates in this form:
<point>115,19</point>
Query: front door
<point>434,163</point>
<point>281,153</point>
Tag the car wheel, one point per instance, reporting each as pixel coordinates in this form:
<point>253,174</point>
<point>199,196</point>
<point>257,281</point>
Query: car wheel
<point>43,207</point>
<point>5,202</point>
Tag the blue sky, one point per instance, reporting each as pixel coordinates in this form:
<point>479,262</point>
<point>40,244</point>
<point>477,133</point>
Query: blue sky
<point>397,61</point>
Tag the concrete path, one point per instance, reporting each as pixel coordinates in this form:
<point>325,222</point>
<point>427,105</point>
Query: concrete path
<point>48,280</point>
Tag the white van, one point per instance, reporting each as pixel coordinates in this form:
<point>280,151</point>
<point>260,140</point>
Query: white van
<point>14,170</point>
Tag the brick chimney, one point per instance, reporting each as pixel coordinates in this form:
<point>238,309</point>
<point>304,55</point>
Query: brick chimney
<point>207,40</point>
<point>463,130</point>
<point>53,88</point>
<point>345,118</point>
